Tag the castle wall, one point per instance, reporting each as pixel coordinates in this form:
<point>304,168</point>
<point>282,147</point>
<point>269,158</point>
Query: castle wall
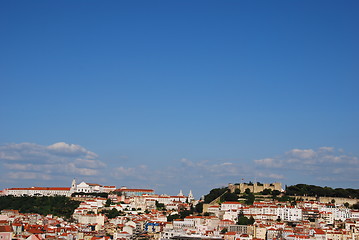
<point>255,188</point>
<point>338,200</point>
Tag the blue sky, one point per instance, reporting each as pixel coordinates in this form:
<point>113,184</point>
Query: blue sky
<point>179,94</point>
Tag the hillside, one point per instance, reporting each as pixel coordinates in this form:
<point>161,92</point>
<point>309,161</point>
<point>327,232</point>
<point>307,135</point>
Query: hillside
<point>317,191</point>
<point>58,206</point>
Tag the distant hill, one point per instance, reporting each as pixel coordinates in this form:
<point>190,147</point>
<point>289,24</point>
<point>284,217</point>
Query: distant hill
<point>294,190</point>
<point>214,193</point>
<point>317,191</point>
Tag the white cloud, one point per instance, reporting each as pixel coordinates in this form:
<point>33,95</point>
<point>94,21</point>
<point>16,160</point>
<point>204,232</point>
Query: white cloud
<point>299,159</point>
<point>45,162</point>
<point>90,163</point>
<point>62,148</point>
<point>227,164</point>
<point>121,172</point>
<point>17,166</point>
<point>28,176</point>
<point>187,162</point>
<point>268,162</point>
<point>326,149</point>
<point>199,176</point>
<point>85,171</point>
<point>323,163</point>
<point>270,175</point>
<point>326,178</point>
<point>38,162</point>
<point>302,153</point>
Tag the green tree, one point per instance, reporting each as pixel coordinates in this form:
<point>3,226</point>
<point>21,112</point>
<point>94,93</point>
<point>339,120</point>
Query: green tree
<point>251,220</point>
<point>285,198</point>
<point>58,205</point>
<point>160,206</point>
<point>113,213</point>
<point>250,199</point>
<point>224,230</point>
<point>243,220</point>
<point>170,218</point>
<point>214,193</point>
<point>199,207</point>
<point>267,191</point>
<point>185,213</point>
<point>275,193</point>
<point>229,197</point>
<point>108,202</point>
<point>312,190</point>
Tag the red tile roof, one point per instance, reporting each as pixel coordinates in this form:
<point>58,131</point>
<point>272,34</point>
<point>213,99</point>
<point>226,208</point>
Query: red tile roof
<point>134,190</point>
<point>5,228</point>
<point>43,188</point>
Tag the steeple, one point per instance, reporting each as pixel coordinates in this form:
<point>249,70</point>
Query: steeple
<point>190,195</point>
<point>73,186</point>
<point>180,193</point>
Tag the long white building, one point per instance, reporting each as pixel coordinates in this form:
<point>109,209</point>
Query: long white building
<point>38,191</point>
<point>58,191</point>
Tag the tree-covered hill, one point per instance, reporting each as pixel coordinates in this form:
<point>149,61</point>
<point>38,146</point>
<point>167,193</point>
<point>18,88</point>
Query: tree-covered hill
<point>214,193</point>
<point>317,191</point>
<point>295,190</point>
<point>59,206</point>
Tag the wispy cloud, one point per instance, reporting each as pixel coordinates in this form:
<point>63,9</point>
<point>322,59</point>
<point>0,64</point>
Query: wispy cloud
<point>269,175</point>
<point>323,164</point>
<point>183,174</point>
<point>29,161</point>
<point>34,161</point>
<point>269,163</point>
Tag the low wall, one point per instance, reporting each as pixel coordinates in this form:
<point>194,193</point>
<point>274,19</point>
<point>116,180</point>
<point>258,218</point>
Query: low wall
<point>338,200</point>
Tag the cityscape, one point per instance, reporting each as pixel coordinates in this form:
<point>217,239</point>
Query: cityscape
<point>263,211</point>
<point>179,120</point>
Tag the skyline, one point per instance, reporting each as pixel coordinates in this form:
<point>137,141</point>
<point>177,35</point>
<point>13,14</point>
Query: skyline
<point>64,165</point>
<point>179,94</point>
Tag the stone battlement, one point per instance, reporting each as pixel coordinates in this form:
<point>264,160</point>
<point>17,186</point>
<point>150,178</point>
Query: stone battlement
<point>255,187</point>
